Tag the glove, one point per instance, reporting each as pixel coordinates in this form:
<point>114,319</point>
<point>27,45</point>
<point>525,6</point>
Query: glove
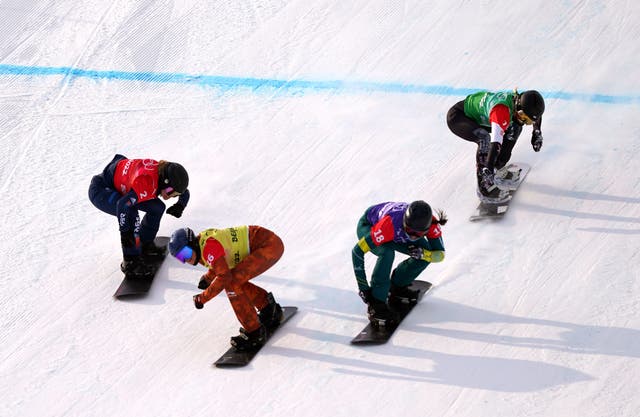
<point>365,295</point>
<point>419,253</point>
<point>176,210</point>
<point>197,301</point>
<point>536,140</point>
<point>416,252</point>
<point>204,283</point>
<point>487,179</point>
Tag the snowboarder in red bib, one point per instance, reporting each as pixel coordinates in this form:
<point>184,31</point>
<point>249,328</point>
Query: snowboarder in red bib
<point>494,121</point>
<point>233,257</point>
<point>127,186</point>
<point>383,230</point>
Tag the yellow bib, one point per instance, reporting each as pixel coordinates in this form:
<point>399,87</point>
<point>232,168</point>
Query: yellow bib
<point>234,240</point>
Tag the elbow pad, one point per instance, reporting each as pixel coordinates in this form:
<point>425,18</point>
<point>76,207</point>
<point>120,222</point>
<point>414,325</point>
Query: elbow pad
<point>364,245</point>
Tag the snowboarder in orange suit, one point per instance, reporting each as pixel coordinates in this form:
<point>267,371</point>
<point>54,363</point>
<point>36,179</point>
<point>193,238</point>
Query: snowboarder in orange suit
<point>233,257</point>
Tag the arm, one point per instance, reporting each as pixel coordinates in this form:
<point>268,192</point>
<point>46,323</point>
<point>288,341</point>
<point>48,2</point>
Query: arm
<point>184,198</point>
<point>381,233</point>
<point>220,277</point>
<point>434,242</point>
<point>177,209</point>
<point>499,117</point>
<point>434,239</point>
<point>357,258</point>
<point>536,135</point>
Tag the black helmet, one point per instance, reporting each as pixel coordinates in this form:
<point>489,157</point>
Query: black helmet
<point>174,176</point>
<point>181,238</point>
<point>418,216</point>
<point>532,104</point>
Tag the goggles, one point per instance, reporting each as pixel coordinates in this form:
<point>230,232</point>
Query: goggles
<point>522,116</point>
<point>184,254</point>
<point>415,233</point>
<point>171,192</point>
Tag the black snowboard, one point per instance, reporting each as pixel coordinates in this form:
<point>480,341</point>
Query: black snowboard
<point>372,335</point>
<point>139,286</point>
<point>494,211</point>
<point>233,358</point>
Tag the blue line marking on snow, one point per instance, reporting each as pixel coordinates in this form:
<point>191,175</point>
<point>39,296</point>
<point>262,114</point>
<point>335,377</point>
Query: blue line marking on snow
<point>293,87</point>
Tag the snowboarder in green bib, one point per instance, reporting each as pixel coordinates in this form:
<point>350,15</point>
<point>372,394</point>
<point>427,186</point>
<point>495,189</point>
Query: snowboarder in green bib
<point>494,122</point>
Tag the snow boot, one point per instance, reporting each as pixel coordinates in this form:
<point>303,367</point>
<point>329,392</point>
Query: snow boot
<point>507,179</point>
<point>366,295</point>
<point>494,195</point>
<point>150,250</point>
<point>402,296</point>
<point>135,267</point>
<point>487,191</point>
<point>380,315</point>
<point>271,315</point>
<point>247,341</point>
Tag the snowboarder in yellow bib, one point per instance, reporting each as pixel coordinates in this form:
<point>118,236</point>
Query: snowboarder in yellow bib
<point>234,256</point>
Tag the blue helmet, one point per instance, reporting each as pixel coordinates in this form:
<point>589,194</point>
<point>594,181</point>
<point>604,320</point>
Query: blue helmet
<point>181,238</point>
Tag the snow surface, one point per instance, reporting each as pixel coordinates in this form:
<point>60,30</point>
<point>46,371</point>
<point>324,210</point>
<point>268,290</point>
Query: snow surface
<point>296,116</point>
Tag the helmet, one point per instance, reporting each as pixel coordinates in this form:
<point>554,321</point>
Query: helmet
<point>532,104</point>
<point>175,176</point>
<point>418,216</point>
<point>181,238</point>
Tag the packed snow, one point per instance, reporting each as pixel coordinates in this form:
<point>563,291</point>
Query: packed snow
<point>297,116</point>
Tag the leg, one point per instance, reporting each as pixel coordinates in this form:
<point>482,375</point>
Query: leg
<point>462,125</point>
<point>505,153</point>
<point>103,196</point>
<point>154,209</point>
<point>257,295</point>
<point>380,278</point>
<point>266,249</point>
<point>129,224</point>
<point>242,307</point>
<point>468,129</point>
<point>409,269</point>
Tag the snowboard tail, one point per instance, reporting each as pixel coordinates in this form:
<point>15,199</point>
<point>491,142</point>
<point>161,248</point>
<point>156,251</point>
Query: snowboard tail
<point>234,359</point>
<point>133,286</point>
<point>374,335</point>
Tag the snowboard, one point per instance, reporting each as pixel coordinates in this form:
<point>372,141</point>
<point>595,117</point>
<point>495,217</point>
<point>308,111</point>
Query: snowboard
<point>234,359</point>
<point>139,286</point>
<point>374,335</point>
<point>489,211</point>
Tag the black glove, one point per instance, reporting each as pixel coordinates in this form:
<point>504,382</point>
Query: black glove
<point>197,301</point>
<point>366,295</point>
<point>536,140</point>
<point>127,239</point>
<point>176,210</point>
<point>416,252</point>
<point>204,283</point>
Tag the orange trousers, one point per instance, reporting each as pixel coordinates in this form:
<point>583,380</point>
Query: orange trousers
<point>266,248</point>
